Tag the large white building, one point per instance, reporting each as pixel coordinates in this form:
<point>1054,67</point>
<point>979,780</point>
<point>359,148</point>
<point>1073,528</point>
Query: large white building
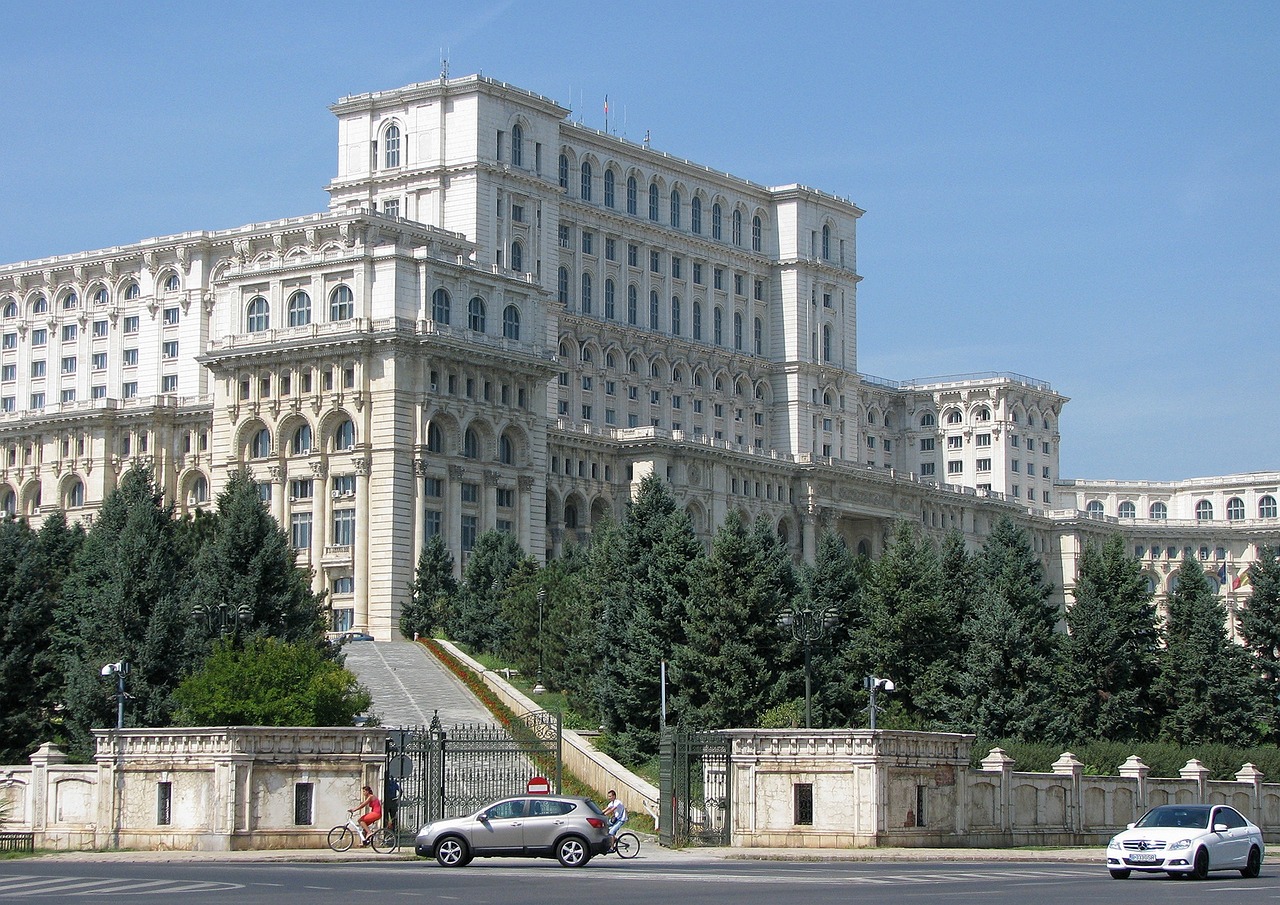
<point>506,320</point>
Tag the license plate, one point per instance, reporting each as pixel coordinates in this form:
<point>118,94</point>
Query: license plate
<point>1144,857</point>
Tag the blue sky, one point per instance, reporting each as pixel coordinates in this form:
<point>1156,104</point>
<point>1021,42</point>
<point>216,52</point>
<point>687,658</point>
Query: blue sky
<point>1087,192</point>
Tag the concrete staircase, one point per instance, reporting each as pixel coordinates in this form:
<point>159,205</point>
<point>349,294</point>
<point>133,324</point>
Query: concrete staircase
<point>408,685</point>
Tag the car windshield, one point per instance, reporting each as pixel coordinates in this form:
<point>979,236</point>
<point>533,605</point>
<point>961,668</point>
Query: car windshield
<point>1187,816</point>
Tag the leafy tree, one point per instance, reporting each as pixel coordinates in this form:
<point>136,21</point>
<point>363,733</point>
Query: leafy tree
<point>433,590</point>
<point>571,636</point>
<point>1006,680</point>
<point>33,566</point>
<point>1206,684</point>
<point>267,682</point>
<point>1109,656</point>
<point>1260,625</point>
<point>832,583</point>
<point>246,569</point>
<point>727,664</point>
<point>476,617</point>
<point>642,570</point>
<point>124,600</point>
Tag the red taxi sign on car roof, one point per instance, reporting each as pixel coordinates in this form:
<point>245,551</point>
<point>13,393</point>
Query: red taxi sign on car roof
<point>539,786</point>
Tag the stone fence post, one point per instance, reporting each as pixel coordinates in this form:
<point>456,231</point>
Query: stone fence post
<point>1200,773</point>
<point>1253,776</point>
<point>1000,762</point>
<point>1134,768</point>
<point>1069,765</point>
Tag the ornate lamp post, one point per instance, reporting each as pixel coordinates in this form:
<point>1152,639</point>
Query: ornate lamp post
<point>807,624</point>
<point>222,618</point>
<point>538,688</point>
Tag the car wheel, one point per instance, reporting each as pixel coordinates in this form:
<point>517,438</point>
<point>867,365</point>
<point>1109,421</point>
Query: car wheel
<point>452,852</point>
<point>1200,867</point>
<point>1120,874</point>
<point>1253,866</point>
<point>571,851</point>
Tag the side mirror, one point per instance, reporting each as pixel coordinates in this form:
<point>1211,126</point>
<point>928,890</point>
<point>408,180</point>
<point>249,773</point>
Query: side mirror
<point>1220,827</point>
<point>1132,825</point>
<point>483,817</point>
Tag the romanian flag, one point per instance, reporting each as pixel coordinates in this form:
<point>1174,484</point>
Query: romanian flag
<point>1242,580</point>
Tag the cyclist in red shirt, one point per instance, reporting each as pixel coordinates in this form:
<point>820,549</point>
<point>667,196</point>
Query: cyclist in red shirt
<point>368,820</point>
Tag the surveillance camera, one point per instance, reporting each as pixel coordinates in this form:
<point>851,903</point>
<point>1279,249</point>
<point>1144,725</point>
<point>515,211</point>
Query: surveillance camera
<point>887,684</point>
<point>109,669</point>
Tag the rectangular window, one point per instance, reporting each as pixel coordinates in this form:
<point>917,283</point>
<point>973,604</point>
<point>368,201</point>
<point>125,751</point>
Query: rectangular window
<point>391,208</point>
<point>98,392</point>
<point>170,349</point>
<point>37,368</point>
<point>169,383</point>
<point>164,803</point>
<point>129,390</point>
<point>633,255</point>
<point>955,442</point>
<point>737,284</point>
<point>926,469</point>
<point>37,400</point>
<point>803,809</point>
<point>1044,448</point>
<point>470,493</point>
<point>926,444</point>
<point>982,440</point>
<point>11,340</point>
<point>303,804</point>
<point>69,332</point>
<point>759,290</point>
<point>1016,465</point>
<point>300,530</point>
<point>431,522</point>
<point>655,262</point>
<point>470,526</point>
<point>344,485</point>
<point>717,278</point>
<point>99,328</point>
<point>344,527</point>
<point>517,213</point>
<point>588,243</point>
<point>69,395</point>
<point>675,267</point>
<point>922,805</point>
<point>984,465</point>
<point>301,489</point>
<point>506,498</point>
<point>99,361</point>
<point>586,413</point>
<point>131,324</point>
<point>171,317</point>
<point>9,373</point>
<point>435,487</point>
<point>1045,473</point>
<point>130,357</point>
<point>610,249</point>
<point>564,236</point>
<point>610,416</point>
<point>955,467</point>
<point>697,274</point>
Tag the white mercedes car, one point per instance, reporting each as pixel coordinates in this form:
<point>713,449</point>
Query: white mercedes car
<point>1187,840</point>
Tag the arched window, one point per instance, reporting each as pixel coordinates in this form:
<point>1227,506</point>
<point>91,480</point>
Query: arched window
<point>737,331</point>
<point>826,342</point>
<point>301,443</point>
<point>517,257</point>
<point>70,302</point>
<point>1204,511</point>
<point>258,316</point>
<point>1235,509</point>
<point>826,242</point>
<point>585,301</point>
<point>40,305</point>
<point>75,494</point>
<point>511,322</point>
<point>675,209</point>
<point>506,450</point>
<point>737,227</point>
<point>260,445</point>
<point>435,439</point>
<point>1094,508</point>
<point>562,286</point>
<point>1159,511</point>
<point>653,201</point>
<point>609,300</point>
<point>586,180</point>
<point>440,306</point>
<point>171,283</point>
<point>299,309</point>
<point>717,326</point>
<point>470,444</point>
<point>757,233</point>
<point>342,303</point>
<point>654,313</point>
<point>983,414</point>
<point>633,305</point>
<point>1267,507</point>
<point>101,297</point>
<point>697,320</point>
<point>927,420</point>
<point>344,437</point>
<point>632,190</point>
<point>954,417</point>
<point>695,216</point>
<point>199,492</point>
<point>517,145</point>
<point>132,291</point>
<point>10,309</point>
<point>570,515</point>
<point>8,501</point>
<point>609,199</point>
<point>716,230</point>
<point>475,315</point>
<point>675,315</point>
<point>564,172</point>
<point>391,145</point>
<point>758,336</point>
<point>1127,509</point>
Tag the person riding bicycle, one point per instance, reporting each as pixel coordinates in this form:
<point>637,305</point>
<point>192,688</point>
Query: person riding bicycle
<point>374,814</point>
<point>616,811</point>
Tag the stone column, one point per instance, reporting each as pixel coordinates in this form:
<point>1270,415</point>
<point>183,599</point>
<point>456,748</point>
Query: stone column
<point>524,485</point>
<point>1069,765</point>
<point>452,518</point>
<point>1253,776</point>
<point>489,505</point>
<point>419,508</point>
<point>1200,773</point>
<point>361,543</point>
<point>38,793</point>
<point>1135,769</point>
<point>999,762</point>
<point>319,521</point>
<point>275,474</point>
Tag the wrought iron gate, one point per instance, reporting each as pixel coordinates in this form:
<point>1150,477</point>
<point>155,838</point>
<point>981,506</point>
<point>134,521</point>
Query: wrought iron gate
<point>695,791</point>
<point>434,772</point>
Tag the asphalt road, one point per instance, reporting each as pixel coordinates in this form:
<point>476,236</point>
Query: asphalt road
<point>610,880</point>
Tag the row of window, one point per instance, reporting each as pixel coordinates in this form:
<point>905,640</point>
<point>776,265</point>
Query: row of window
<point>953,416</point>
<point>70,301</point>
<point>99,330</point>
<point>1204,509</point>
<point>341,308</point>
<point>742,384</point>
<point>477,316</point>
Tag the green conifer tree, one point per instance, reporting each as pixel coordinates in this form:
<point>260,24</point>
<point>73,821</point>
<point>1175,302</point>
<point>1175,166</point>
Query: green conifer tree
<point>1260,627</point>
<point>831,584</point>
<point>477,618</point>
<point>432,592</point>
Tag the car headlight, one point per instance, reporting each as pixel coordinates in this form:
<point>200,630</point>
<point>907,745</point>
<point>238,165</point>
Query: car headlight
<point>1180,845</point>
<point>1114,843</point>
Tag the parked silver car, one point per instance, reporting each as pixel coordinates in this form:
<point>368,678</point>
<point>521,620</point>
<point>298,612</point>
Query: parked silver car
<point>537,826</point>
<point>1187,839</point>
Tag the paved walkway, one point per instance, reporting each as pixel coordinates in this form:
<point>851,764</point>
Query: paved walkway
<point>409,684</point>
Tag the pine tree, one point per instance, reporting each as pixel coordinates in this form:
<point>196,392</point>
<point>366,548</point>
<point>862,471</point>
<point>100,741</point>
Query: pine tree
<point>1206,684</point>
<point>124,600</point>
<point>432,591</point>
<point>1109,656</point>
<point>476,618</point>
<point>1260,626</point>
<point>727,665</point>
<point>571,628</point>
<point>245,581</point>
<point>831,584</point>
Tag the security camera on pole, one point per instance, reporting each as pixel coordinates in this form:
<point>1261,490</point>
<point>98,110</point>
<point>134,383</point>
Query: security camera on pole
<point>119,669</point>
<point>874,684</point>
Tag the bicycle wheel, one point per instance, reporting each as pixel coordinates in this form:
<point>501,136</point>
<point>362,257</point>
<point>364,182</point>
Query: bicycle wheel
<point>628,845</point>
<point>384,841</point>
<point>341,838</point>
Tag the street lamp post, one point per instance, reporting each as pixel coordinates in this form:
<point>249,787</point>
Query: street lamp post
<point>118,669</point>
<point>223,618</point>
<point>808,624</point>
<point>542,601</point>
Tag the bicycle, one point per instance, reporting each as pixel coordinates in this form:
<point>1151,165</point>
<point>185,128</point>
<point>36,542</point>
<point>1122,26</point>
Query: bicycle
<point>627,845</point>
<point>383,840</point>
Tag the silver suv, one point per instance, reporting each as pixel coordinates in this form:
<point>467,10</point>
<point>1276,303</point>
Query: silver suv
<point>535,826</point>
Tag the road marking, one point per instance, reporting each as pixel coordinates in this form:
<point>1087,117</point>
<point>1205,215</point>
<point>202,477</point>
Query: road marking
<point>33,886</point>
